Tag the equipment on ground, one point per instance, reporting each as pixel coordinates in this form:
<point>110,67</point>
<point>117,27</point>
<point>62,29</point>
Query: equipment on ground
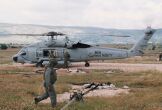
<point>78,96</point>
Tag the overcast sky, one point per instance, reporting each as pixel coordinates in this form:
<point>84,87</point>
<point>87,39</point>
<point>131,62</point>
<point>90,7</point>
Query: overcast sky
<point>98,13</point>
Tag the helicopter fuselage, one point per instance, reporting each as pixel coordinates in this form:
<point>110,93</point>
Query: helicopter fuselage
<point>33,54</point>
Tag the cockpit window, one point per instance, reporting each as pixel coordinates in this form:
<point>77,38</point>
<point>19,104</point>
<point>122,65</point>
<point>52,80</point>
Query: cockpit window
<point>80,45</point>
<point>23,53</point>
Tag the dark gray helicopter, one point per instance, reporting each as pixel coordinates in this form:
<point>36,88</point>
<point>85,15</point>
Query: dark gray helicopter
<point>38,53</point>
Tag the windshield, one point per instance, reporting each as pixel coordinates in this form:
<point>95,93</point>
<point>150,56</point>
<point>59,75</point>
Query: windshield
<point>22,51</point>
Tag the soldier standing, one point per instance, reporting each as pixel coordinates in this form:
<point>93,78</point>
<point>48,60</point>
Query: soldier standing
<point>66,59</point>
<point>50,78</point>
<point>160,57</point>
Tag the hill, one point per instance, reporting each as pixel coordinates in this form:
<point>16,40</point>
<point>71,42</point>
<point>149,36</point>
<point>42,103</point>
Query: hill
<point>84,34</point>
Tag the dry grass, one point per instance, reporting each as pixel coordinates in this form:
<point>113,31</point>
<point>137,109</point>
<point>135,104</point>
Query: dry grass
<point>145,94</point>
<point>6,55</point>
<point>17,91</point>
<point>15,70</point>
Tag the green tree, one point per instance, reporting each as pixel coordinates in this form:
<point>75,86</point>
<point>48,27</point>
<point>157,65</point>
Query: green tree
<point>3,46</point>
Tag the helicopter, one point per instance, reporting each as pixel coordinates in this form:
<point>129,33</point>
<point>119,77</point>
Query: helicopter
<point>38,53</point>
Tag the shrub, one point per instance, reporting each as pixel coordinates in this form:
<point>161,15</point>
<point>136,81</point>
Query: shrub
<point>3,46</point>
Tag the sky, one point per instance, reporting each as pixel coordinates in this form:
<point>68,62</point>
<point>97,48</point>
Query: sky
<point>127,14</point>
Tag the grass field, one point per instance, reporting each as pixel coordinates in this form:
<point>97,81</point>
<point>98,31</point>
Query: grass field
<point>6,55</point>
<point>18,87</point>
<point>17,91</point>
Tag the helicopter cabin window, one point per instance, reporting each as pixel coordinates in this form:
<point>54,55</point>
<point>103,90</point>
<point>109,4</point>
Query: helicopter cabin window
<point>45,53</point>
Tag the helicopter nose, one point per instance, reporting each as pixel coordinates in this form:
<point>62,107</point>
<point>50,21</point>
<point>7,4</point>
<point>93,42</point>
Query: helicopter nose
<point>15,58</point>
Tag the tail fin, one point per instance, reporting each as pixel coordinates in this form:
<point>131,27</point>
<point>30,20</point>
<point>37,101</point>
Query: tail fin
<point>138,48</point>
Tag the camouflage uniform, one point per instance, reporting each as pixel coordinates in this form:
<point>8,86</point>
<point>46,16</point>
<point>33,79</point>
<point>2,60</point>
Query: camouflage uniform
<point>66,59</point>
<point>50,78</point>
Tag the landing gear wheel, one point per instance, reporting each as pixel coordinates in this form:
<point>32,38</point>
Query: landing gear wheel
<point>39,64</point>
<point>87,64</point>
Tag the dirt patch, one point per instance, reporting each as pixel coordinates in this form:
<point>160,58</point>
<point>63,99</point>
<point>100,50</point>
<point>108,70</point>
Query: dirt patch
<point>120,66</point>
<point>79,67</point>
<point>109,92</point>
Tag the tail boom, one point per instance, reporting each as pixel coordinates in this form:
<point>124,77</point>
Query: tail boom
<point>141,45</point>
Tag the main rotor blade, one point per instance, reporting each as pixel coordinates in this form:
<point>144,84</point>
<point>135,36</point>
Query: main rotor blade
<point>116,35</point>
<point>44,34</point>
<point>104,34</point>
<point>20,34</point>
<point>62,34</point>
